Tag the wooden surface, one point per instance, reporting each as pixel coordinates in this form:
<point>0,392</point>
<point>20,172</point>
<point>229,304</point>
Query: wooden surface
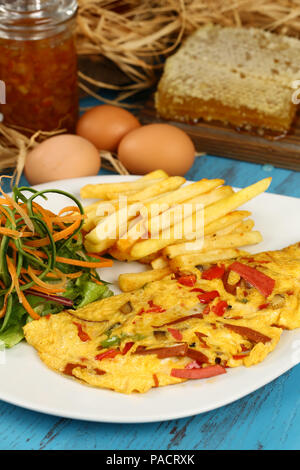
<point>217,139</point>
<point>266,419</point>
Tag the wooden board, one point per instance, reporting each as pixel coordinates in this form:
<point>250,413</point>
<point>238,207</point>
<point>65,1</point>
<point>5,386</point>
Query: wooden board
<point>225,141</point>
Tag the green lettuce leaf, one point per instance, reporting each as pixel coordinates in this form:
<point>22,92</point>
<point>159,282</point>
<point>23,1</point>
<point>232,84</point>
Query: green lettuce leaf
<point>90,291</point>
<point>12,335</point>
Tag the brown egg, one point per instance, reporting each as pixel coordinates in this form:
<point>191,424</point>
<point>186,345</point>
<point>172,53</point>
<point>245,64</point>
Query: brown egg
<point>106,125</point>
<point>157,146</point>
<point>60,157</point>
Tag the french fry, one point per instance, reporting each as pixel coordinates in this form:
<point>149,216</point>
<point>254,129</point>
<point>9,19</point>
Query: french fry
<point>211,213</point>
<point>212,243</point>
<point>239,226</point>
<point>184,261</point>
<point>187,192</point>
<point>99,191</point>
<point>116,222</point>
<point>211,196</point>
<point>133,281</point>
<point>95,191</point>
<point>159,263</point>
<point>244,226</point>
<point>91,207</point>
<point>166,185</point>
<point>149,259</point>
<point>176,213</point>
<point>227,221</point>
<point>224,206</point>
<point>99,248</point>
<point>96,214</point>
<point>166,201</point>
<point>119,255</point>
<point>90,222</point>
<point>156,174</point>
<point>112,195</point>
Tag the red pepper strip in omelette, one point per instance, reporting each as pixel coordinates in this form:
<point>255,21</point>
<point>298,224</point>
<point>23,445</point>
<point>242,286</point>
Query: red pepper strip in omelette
<point>153,308</point>
<point>181,319</point>
<point>252,335</point>
<point>188,280</point>
<point>155,379</point>
<point>68,370</point>
<point>207,297</point>
<point>263,306</point>
<point>196,355</point>
<point>236,357</point>
<point>175,333</point>
<point>200,336</point>
<point>220,308</point>
<point>82,334</point>
<point>162,353</point>
<point>203,373</point>
<point>230,288</point>
<point>109,354</point>
<point>261,281</point>
<point>127,347</point>
<point>215,272</point>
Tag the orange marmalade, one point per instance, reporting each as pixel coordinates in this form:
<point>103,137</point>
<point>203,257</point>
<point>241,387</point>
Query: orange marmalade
<point>38,65</point>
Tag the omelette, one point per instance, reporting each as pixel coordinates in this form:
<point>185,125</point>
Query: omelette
<point>189,325</point>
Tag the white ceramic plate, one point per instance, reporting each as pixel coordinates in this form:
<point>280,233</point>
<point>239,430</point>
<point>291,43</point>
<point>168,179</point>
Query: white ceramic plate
<point>27,382</point>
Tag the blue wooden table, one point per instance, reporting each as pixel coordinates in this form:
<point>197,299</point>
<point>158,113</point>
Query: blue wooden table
<point>266,419</point>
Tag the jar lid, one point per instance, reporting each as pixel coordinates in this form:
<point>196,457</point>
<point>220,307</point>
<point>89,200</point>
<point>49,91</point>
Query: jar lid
<point>34,18</point>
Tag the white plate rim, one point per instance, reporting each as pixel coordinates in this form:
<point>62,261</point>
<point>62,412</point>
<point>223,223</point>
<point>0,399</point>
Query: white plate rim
<point>267,376</point>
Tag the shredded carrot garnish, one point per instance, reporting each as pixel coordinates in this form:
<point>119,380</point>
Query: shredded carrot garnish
<point>48,217</point>
<point>68,209</point>
<point>102,263</point>
<point>106,263</point>
<point>3,309</point>
<point>47,291</point>
<point>28,307</point>
<point>59,287</point>
<point>10,202</point>
<point>5,212</point>
<point>28,260</point>
<point>57,236</point>
<point>14,233</point>
<point>15,283</point>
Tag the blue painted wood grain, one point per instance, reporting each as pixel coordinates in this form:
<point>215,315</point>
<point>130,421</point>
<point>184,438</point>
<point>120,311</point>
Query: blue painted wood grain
<point>267,419</point>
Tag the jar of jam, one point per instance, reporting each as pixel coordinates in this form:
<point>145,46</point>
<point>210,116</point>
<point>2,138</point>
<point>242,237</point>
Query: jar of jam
<point>38,64</point>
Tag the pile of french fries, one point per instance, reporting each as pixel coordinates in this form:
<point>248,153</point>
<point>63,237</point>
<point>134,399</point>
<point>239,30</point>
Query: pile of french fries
<point>146,230</point>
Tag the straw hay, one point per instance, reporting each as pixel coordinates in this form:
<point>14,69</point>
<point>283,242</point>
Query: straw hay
<point>137,35</point>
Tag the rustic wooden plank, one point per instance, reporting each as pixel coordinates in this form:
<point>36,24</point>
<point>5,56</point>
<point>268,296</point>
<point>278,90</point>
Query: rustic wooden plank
<point>266,419</point>
<point>217,139</point>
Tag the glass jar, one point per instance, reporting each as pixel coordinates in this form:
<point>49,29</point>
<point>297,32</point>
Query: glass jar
<point>38,64</point>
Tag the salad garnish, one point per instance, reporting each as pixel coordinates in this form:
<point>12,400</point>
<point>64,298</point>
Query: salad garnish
<point>44,266</point>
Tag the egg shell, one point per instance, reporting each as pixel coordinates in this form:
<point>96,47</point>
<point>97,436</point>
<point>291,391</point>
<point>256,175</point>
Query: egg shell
<point>157,146</point>
<point>106,125</point>
<point>60,157</point>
